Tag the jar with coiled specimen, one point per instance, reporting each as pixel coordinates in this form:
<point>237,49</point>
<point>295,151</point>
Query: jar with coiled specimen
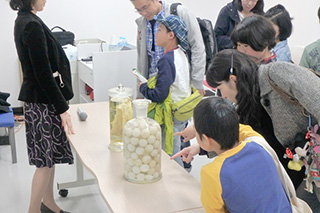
<point>121,111</point>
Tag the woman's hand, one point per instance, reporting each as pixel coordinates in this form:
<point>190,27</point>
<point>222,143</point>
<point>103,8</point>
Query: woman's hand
<point>188,133</point>
<point>66,123</point>
<point>188,153</point>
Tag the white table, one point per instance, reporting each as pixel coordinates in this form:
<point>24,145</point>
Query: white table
<point>176,191</point>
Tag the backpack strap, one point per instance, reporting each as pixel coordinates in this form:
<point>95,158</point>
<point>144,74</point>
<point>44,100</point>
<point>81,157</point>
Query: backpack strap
<point>57,27</point>
<point>314,72</point>
<point>286,96</point>
<point>173,8</point>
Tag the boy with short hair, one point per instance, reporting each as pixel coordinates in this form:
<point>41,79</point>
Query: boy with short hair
<point>243,177</point>
<point>172,81</point>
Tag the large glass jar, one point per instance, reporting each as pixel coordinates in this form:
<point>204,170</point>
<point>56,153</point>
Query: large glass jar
<point>142,146</point>
<point>121,111</point>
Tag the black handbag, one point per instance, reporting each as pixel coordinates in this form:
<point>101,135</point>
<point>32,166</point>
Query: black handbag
<point>64,37</point>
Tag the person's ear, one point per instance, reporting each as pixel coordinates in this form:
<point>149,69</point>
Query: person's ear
<point>233,78</point>
<point>171,35</point>
<point>206,140</point>
<point>210,143</point>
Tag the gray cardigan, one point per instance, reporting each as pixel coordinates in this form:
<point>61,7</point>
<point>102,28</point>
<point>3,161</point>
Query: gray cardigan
<point>194,38</point>
<point>298,82</point>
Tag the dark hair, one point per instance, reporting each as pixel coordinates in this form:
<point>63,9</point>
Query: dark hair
<point>280,17</point>
<point>258,9</point>
<point>256,31</point>
<point>22,4</point>
<point>319,12</point>
<point>248,97</point>
<point>217,119</point>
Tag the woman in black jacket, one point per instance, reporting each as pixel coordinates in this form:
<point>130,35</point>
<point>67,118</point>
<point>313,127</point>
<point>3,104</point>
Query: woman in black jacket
<point>45,89</point>
<point>230,15</point>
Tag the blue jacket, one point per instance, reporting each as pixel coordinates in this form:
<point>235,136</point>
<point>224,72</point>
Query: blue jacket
<point>227,20</point>
<point>165,77</point>
<point>283,51</point>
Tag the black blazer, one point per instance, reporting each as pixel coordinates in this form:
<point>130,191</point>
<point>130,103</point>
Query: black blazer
<point>41,55</point>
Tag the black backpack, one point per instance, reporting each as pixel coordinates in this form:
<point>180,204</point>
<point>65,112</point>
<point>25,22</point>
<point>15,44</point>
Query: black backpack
<point>209,38</point>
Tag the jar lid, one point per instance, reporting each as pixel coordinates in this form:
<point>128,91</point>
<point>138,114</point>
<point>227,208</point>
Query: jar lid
<point>120,90</point>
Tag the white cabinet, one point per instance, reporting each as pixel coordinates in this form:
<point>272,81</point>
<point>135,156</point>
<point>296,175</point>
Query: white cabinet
<point>106,70</point>
<point>75,82</point>
<point>85,77</point>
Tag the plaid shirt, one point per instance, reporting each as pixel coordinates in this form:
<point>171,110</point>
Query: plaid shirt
<point>158,51</point>
<point>272,58</point>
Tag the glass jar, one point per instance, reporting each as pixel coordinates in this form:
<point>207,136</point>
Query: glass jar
<point>121,111</point>
<point>142,146</point>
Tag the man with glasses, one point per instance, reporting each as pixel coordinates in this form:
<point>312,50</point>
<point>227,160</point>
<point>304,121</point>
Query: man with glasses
<point>149,53</point>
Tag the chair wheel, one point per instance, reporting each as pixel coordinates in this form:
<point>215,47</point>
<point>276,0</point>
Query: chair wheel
<point>63,192</point>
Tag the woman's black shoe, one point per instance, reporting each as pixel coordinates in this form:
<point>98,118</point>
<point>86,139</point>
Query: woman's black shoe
<point>45,209</point>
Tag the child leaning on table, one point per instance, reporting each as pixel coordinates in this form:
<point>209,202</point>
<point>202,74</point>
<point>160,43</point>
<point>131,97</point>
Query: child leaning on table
<point>243,177</point>
<point>172,80</point>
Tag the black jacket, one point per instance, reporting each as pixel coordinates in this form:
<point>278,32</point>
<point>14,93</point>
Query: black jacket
<point>41,55</point>
<point>228,18</point>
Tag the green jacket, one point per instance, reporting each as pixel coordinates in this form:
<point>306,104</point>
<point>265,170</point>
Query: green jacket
<point>162,113</point>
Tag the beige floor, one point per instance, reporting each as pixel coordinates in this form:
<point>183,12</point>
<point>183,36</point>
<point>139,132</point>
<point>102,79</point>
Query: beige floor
<point>15,182</point>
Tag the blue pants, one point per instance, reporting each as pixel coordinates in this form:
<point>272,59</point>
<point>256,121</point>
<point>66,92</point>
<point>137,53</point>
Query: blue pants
<point>184,145</point>
<point>178,126</point>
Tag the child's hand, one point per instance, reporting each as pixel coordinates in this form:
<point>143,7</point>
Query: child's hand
<point>188,153</point>
<point>188,133</point>
<point>139,84</point>
<point>202,92</point>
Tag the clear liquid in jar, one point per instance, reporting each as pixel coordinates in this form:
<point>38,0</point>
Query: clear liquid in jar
<point>121,111</point>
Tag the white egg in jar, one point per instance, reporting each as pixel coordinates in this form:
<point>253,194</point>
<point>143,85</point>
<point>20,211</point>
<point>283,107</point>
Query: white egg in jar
<point>142,148</point>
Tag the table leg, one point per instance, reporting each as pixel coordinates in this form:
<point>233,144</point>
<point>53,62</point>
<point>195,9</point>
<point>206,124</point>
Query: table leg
<point>80,178</point>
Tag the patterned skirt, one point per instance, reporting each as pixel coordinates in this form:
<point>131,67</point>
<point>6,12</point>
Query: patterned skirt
<point>46,140</point>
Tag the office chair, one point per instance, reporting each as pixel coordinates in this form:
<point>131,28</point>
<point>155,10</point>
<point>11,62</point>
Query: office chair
<point>7,121</point>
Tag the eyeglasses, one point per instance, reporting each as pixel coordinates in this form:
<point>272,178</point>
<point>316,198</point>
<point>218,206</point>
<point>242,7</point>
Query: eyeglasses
<point>144,8</point>
<point>253,1</point>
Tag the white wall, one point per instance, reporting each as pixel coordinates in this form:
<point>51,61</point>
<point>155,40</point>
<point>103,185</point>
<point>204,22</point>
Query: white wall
<point>102,18</point>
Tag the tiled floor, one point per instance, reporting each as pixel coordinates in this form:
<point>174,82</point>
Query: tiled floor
<point>15,182</point>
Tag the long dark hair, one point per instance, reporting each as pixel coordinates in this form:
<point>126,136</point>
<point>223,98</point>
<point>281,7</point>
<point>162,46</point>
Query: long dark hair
<point>22,4</point>
<point>248,97</point>
<point>258,9</point>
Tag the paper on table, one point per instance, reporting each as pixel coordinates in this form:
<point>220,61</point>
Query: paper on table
<point>139,76</point>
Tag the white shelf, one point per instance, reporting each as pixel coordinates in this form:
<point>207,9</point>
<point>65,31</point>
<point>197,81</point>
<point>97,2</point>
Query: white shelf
<point>107,70</point>
<point>85,99</point>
